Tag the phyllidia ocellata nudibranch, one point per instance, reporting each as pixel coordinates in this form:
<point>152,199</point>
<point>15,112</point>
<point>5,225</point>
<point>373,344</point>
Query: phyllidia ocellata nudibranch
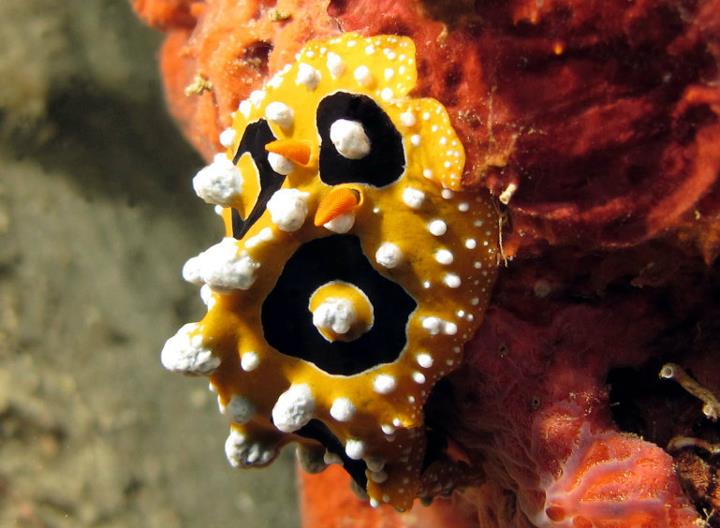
<point>353,270</point>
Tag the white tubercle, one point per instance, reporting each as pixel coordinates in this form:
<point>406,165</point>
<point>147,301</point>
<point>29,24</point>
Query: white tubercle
<point>388,255</point>
<point>206,295</point>
<point>355,449</point>
<point>249,361</point>
<point>444,257</point>
<point>451,280</point>
<point>341,224</point>
<point>363,76</point>
<point>350,139</point>
<point>342,410</point>
<point>239,409</point>
<point>288,209</point>
<point>257,97</point>
<point>294,408</point>
<point>219,183</point>
<point>435,325</point>
<point>334,314</point>
<point>384,384</point>
<point>413,198</point>
<point>185,353</point>
<point>280,114</point>
<point>437,227</point>
<point>425,360</point>
<point>280,163</point>
<point>307,76</point>
<point>418,377</point>
<point>408,119</point>
<point>335,64</point>
<point>227,137</point>
<point>225,268</point>
<point>192,270</point>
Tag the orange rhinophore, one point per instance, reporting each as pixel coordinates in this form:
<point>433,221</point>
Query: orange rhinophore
<point>296,151</point>
<point>339,201</point>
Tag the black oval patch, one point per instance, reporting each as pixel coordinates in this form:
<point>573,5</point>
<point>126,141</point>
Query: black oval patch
<point>385,162</point>
<point>256,136</point>
<point>287,321</point>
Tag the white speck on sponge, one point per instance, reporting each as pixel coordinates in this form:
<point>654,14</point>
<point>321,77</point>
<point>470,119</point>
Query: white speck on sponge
<point>335,314</point>
<point>307,76</point>
<point>294,408</point>
<point>186,353</point>
<point>384,384</point>
<point>444,257</point>
<point>227,137</point>
<point>288,209</point>
<point>335,64</point>
<point>249,361</point>
<point>219,183</point>
<point>280,163</point>
<point>388,255</point>
<point>280,114</point>
<point>342,410</point>
<point>355,449</point>
<point>350,139</point>
<point>413,198</point>
<point>239,409</point>
<point>224,268</point>
<point>437,227</point>
<point>341,224</point>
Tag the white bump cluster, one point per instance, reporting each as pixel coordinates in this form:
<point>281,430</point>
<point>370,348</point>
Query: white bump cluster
<point>186,353</point>
<point>435,326</point>
<point>280,163</point>
<point>413,198</point>
<point>335,314</point>
<point>219,183</point>
<point>350,139</point>
<point>288,209</point>
<point>388,255</point>
<point>294,408</point>
<point>223,267</point>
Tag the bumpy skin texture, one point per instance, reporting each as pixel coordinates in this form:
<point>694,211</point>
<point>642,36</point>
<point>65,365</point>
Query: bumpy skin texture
<point>604,115</point>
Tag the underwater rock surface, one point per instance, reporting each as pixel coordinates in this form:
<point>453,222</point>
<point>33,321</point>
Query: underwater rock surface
<point>96,217</point>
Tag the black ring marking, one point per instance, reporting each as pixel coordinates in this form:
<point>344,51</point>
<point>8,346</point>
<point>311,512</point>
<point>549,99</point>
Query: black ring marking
<point>287,322</point>
<point>385,162</point>
<point>256,136</point>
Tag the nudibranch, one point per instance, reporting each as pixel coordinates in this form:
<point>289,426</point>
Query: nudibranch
<point>353,270</point>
